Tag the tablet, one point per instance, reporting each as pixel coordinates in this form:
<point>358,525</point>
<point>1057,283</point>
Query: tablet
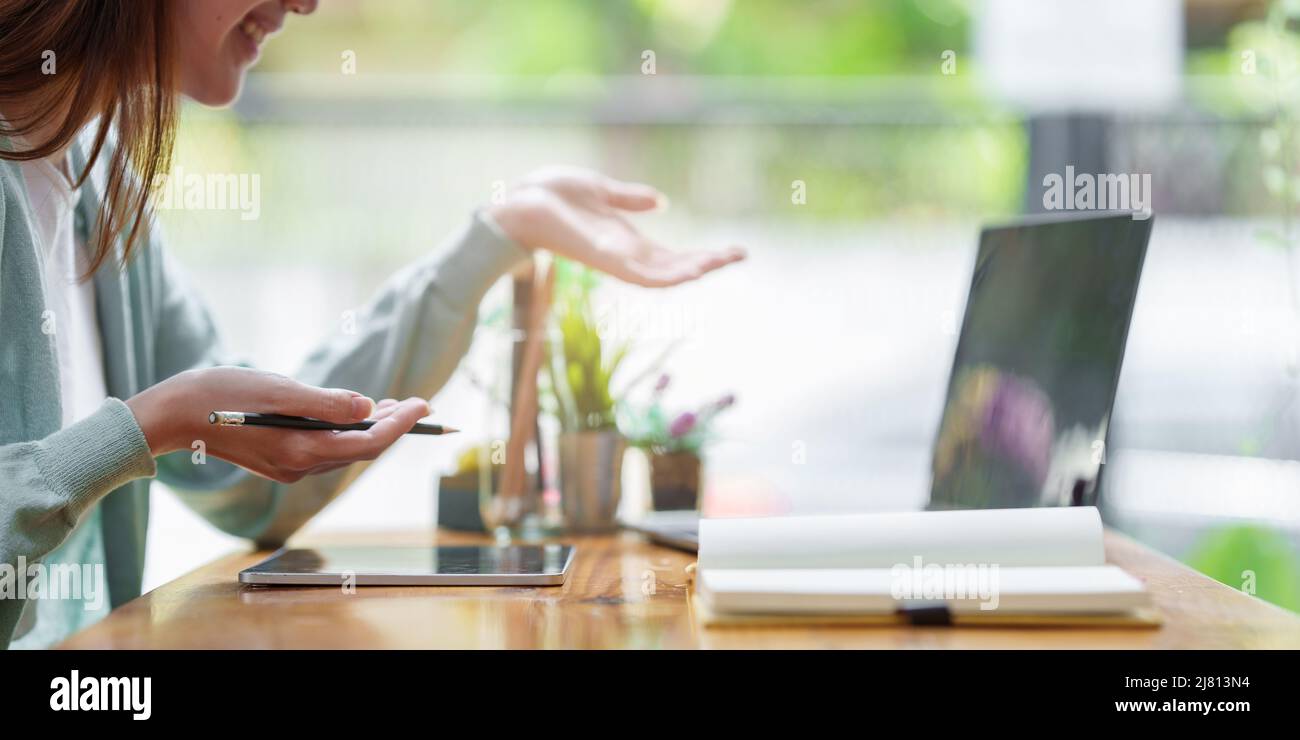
<point>512,565</point>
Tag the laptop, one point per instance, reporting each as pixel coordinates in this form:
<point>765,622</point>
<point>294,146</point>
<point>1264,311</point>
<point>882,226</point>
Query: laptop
<point>1037,364</point>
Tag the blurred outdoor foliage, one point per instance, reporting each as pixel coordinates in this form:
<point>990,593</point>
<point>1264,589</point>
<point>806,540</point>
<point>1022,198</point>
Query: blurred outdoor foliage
<point>599,37</point>
<point>1245,557</point>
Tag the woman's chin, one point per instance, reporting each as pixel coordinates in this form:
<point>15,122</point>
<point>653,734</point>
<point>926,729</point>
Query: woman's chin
<point>216,93</point>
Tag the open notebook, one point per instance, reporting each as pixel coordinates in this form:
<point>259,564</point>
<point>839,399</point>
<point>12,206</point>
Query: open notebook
<point>999,566</point>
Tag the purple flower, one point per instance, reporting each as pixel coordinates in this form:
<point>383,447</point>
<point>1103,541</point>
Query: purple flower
<point>1018,424</point>
<point>662,384</point>
<point>724,402</point>
<point>682,425</point>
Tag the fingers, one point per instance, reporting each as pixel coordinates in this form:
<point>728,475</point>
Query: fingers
<point>668,268</point>
<point>632,196</point>
<point>383,408</point>
<point>398,421</point>
<point>391,422</point>
<point>289,455</point>
<point>712,260</point>
<point>329,404</point>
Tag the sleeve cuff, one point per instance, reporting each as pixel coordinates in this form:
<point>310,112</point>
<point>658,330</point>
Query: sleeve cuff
<point>479,255</point>
<point>95,455</point>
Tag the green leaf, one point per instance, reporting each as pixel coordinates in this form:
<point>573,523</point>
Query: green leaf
<point>1251,557</point>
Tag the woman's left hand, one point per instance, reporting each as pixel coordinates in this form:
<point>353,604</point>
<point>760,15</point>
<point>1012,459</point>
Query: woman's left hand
<point>579,214</point>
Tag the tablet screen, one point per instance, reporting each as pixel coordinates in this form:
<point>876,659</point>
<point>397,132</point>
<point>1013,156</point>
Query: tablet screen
<point>464,565</point>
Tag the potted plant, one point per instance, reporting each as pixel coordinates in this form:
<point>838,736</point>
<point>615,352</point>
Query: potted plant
<point>581,367</point>
<point>674,444</point>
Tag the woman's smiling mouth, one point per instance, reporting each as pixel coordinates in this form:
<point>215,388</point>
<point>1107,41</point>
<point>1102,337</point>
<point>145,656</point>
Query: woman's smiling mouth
<point>253,31</point>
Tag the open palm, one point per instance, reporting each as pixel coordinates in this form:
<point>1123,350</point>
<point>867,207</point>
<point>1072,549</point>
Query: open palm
<point>579,214</point>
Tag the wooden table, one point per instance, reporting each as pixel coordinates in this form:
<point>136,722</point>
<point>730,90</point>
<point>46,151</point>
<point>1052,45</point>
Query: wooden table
<point>622,593</point>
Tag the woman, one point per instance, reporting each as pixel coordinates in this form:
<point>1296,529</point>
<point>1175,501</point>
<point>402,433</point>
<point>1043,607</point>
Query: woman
<point>94,311</point>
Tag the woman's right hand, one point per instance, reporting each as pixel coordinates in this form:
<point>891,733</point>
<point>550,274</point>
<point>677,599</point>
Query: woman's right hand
<point>174,415</point>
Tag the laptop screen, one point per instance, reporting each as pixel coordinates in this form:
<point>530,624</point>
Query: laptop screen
<point>1038,360</point>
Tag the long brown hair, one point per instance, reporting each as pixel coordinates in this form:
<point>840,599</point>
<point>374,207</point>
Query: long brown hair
<point>110,59</point>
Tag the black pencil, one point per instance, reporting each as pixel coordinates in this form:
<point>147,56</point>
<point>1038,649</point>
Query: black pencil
<point>249,418</point>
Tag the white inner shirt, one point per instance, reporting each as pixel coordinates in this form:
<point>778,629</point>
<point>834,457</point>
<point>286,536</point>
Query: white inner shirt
<point>70,314</point>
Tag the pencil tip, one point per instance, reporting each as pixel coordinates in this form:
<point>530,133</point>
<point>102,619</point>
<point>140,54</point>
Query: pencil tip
<point>449,430</point>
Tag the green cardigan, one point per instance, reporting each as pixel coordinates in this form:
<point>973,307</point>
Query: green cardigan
<point>80,494</point>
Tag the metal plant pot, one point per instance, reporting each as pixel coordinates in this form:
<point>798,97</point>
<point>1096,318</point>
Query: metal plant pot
<point>591,471</point>
<point>675,481</point>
